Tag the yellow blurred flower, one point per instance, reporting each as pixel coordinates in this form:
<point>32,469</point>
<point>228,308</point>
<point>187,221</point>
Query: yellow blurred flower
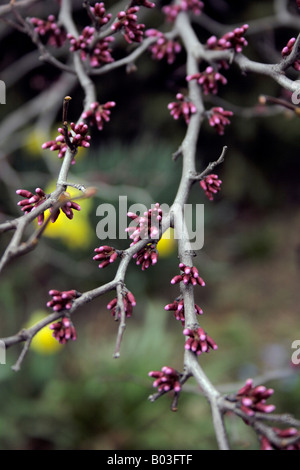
<point>43,342</point>
<point>167,244</point>
<point>73,233</point>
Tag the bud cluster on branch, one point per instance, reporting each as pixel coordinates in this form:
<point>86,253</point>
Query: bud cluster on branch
<point>163,48</point>
<point>253,399</point>
<point>147,226</point>
<point>232,40</point>
<point>209,80</point>
<point>56,36</point>
<point>31,201</point>
<point>178,308</point>
<point>167,379</point>
<point>283,435</point>
<point>183,107</point>
<point>106,254</point>
<point>198,341</point>
<point>99,14</point>
<point>286,51</point>
<point>127,23</point>
<point>147,256</point>
<point>98,114</point>
<point>62,300</point>
<point>98,54</point>
<point>172,11</point>
<point>63,330</point>
<point>190,275</point>
<point>218,118</point>
<point>211,184</point>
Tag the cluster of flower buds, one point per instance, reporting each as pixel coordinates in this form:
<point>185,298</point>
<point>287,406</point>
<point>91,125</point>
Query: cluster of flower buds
<point>282,434</point>
<point>287,50</point>
<point>77,137</point>
<point>99,13</point>
<point>127,22</point>
<point>211,185</point>
<point>31,201</point>
<point>232,40</point>
<point>253,399</point>
<point>67,207</point>
<point>63,330</point>
<point>98,54</point>
<point>178,308</point>
<point>195,6</point>
<point>190,275</point>
<point>218,118</point>
<point>62,300</point>
<point>101,53</point>
<point>84,40</point>
<point>128,303</point>
<point>106,254</point>
<point>209,80</point>
<point>56,36</point>
<point>147,226</point>
<point>183,107</point>
<point>198,341</point>
<point>98,114</point>
<point>172,11</point>
<point>166,380</point>
<point>163,47</point>
<point>147,256</point>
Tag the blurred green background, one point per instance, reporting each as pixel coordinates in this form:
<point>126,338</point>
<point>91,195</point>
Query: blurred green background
<point>78,396</point>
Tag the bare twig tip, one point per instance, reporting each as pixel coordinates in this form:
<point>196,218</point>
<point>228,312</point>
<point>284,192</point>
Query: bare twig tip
<point>90,192</point>
<point>262,99</point>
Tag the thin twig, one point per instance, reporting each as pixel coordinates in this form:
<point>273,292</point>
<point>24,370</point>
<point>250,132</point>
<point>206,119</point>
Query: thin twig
<point>121,314</point>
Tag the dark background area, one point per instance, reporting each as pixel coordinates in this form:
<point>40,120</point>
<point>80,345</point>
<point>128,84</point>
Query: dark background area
<point>78,396</point>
